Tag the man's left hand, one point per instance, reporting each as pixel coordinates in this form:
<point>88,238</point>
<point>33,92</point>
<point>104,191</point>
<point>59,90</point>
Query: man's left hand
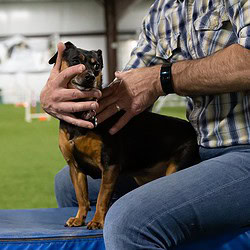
<point>133,91</point>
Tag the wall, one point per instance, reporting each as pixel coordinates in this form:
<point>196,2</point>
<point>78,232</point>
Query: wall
<point>68,17</point>
<point>50,17</point>
<point>133,17</point>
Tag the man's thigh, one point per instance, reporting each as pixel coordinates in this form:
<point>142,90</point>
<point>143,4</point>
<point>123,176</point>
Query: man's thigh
<point>209,197</point>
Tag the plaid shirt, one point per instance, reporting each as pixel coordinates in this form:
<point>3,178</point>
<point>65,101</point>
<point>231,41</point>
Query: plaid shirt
<point>189,29</point>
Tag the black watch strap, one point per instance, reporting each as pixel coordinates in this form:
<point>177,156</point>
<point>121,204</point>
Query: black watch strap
<point>166,78</point>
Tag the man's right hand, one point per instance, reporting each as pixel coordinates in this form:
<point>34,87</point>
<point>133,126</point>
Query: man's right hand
<point>58,101</point>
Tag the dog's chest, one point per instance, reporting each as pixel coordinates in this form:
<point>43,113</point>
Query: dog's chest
<point>82,146</point>
<point>88,148</point>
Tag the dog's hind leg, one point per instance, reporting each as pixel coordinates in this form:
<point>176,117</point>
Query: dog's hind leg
<point>109,179</point>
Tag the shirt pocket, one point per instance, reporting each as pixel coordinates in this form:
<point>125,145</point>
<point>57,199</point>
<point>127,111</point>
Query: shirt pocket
<point>213,30</point>
<point>212,20</point>
<point>167,47</point>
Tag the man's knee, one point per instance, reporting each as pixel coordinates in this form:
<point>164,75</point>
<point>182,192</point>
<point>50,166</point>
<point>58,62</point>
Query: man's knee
<point>120,227</point>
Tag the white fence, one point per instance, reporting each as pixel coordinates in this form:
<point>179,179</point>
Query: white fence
<point>24,89</point>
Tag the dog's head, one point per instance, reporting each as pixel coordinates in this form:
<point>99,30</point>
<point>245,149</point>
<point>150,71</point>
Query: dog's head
<point>91,59</point>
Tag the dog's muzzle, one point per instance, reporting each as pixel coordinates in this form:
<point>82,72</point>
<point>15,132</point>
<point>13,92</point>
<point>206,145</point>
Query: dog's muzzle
<point>85,81</point>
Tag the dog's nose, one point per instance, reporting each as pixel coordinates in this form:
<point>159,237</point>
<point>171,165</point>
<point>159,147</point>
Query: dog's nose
<point>89,78</point>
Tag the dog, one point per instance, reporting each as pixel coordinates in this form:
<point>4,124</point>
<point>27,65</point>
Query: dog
<point>150,146</point>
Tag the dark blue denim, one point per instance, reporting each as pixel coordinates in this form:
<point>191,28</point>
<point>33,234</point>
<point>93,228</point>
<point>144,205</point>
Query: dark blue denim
<point>210,197</point>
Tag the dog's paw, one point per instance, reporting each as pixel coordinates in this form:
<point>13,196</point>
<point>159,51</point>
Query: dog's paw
<point>93,225</point>
<point>74,222</point>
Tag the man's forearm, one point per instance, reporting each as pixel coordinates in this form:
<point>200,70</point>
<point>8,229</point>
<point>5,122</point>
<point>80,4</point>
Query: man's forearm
<point>227,70</point>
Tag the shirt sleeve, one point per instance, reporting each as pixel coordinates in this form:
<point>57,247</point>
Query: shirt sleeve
<point>144,54</point>
<point>239,14</point>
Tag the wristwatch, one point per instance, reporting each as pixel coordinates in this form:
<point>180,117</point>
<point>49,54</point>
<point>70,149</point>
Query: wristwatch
<point>166,78</point>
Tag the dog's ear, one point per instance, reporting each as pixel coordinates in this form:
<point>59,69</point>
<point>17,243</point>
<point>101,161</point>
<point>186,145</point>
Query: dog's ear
<point>69,45</point>
<point>99,54</point>
<point>54,57</point>
<point>52,60</point>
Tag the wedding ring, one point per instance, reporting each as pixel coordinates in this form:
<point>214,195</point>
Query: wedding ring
<point>117,107</point>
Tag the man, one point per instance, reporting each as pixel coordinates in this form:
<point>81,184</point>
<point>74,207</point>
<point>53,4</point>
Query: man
<point>207,43</point>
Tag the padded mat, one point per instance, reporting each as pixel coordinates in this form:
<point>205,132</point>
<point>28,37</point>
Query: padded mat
<point>239,240</point>
<point>33,229</point>
<point>44,229</point>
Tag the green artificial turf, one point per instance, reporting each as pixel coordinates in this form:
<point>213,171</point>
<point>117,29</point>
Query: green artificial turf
<point>30,158</point>
<point>174,111</point>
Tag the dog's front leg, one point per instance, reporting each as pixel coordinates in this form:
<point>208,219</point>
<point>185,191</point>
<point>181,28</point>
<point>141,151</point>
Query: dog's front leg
<point>81,188</point>
<point>109,178</point>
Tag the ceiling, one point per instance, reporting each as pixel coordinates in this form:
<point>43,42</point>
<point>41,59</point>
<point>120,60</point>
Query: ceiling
<point>44,1</point>
<point>40,1</point>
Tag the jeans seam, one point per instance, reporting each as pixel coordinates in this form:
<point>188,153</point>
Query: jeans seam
<point>189,202</point>
<point>210,192</point>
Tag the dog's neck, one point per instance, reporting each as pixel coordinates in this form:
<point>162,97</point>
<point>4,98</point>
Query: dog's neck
<point>89,115</point>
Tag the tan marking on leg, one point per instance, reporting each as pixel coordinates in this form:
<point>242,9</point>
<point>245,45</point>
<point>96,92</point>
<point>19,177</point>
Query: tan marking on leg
<point>109,178</point>
<point>159,170</point>
<point>150,174</point>
<point>79,181</point>
<point>172,168</point>
<point>81,188</point>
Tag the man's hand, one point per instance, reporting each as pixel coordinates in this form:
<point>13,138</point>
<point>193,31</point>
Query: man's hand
<point>58,101</point>
<point>133,91</point>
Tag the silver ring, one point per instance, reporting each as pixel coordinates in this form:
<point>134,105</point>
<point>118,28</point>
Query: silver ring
<point>117,107</point>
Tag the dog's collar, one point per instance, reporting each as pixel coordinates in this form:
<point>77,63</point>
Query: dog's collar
<point>90,116</point>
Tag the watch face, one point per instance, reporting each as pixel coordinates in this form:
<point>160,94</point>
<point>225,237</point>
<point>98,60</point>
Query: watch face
<point>166,78</point>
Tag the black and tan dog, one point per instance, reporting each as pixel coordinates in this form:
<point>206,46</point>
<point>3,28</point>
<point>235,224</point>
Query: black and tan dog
<point>148,147</point>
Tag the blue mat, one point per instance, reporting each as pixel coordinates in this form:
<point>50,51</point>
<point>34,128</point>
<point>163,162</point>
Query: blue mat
<point>44,229</point>
<point>239,240</point>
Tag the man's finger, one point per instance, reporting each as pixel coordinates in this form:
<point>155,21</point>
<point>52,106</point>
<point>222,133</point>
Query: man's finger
<point>73,107</point>
<point>118,74</point>
<point>106,113</point>
<point>107,104</point>
<point>66,75</point>
<point>121,123</point>
<point>77,122</point>
<point>60,49</point>
<point>109,90</point>
<point>74,94</point>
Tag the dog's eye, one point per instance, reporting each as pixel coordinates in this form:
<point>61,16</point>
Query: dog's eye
<point>75,61</point>
<point>97,66</point>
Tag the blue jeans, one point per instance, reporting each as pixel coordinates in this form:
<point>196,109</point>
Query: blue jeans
<point>65,192</point>
<point>210,197</point>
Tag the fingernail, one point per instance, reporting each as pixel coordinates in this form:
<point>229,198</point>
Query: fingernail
<point>112,131</point>
<point>90,126</point>
<point>97,94</point>
<point>93,106</point>
<point>81,68</point>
